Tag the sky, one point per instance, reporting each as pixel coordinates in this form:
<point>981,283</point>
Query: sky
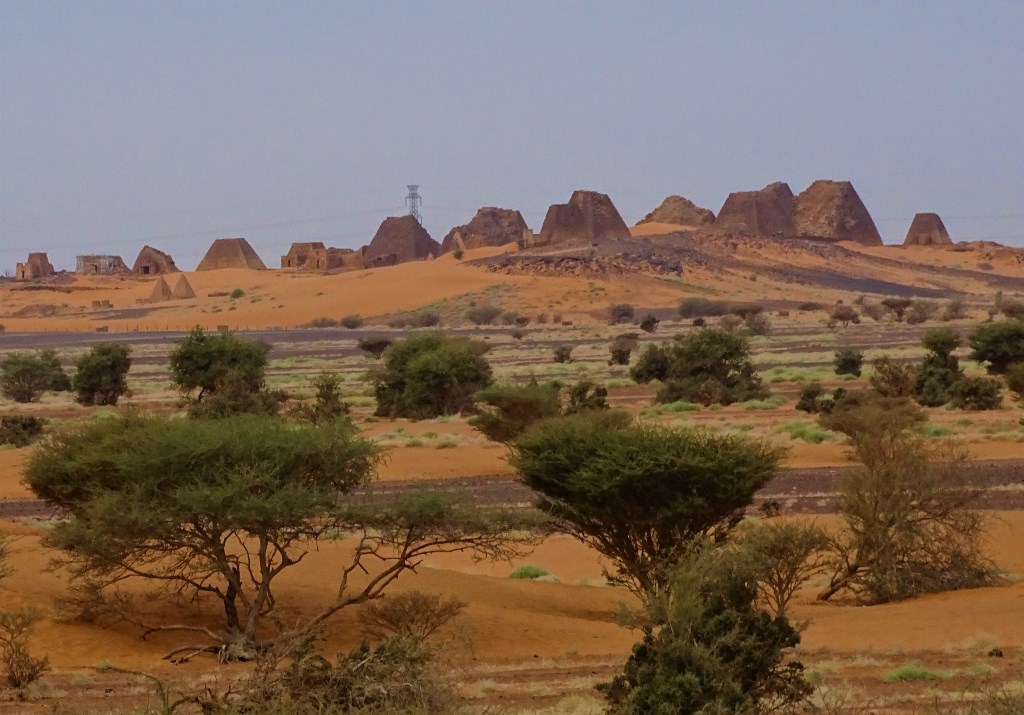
<point>174,123</point>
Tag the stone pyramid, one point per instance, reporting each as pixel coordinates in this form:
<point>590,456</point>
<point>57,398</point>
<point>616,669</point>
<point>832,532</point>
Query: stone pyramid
<point>161,291</point>
<point>589,216</point>
<point>833,210</point>
<point>768,212</point>
<point>183,290</point>
<point>399,239</point>
<point>490,227</point>
<point>679,211</point>
<point>231,253</point>
<point>927,230</point>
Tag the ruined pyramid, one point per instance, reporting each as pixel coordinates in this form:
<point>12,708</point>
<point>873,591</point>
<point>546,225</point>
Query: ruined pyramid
<point>589,216</point>
<point>490,227</point>
<point>679,211</point>
<point>230,253</point>
<point>768,212</point>
<point>833,210</point>
<point>927,230</point>
<point>399,239</point>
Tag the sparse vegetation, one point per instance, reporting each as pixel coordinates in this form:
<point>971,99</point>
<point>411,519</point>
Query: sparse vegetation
<point>702,308</point>
<point>844,314</point>
<point>375,345</point>
<point>483,314</point>
<point>529,573</point>
<point>784,556</point>
<point>621,313</point>
<point>21,668</point>
<point>999,345</point>
<point>563,353</point>
<point>621,348</point>
<point>649,324</point>
<point>409,614</point>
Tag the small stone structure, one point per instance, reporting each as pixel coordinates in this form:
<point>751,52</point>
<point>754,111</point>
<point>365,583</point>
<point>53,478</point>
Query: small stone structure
<point>152,261</point>
<point>100,265</point>
<point>161,291</point>
<point>679,211</point>
<point>589,216</point>
<point>768,212</point>
<point>231,253</point>
<point>183,289</point>
<point>490,227</point>
<point>833,210</point>
<point>399,239</point>
<point>314,256</point>
<point>36,266</point>
<point>927,230</point>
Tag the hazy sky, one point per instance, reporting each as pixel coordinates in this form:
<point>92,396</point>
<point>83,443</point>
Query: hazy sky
<point>173,123</point>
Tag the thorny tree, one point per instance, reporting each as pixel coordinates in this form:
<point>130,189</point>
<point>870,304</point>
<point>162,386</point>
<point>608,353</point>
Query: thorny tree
<point>216,511</point>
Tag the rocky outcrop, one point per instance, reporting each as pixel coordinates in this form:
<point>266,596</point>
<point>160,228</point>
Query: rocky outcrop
<point>490,227</point>
<point>399,239</point>
<point>768,212</point>
<point>231,253</point>
<point>152,261</point>
<point>833,210</point>
<point>927,230</point>
<point>589,216</point>
<point>679,211</point>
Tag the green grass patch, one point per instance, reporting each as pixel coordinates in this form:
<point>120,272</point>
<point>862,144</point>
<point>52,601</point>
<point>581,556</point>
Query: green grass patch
<point>528,572</point>
<point>680,406</point>
<point>807,432</point>
<point>769,404</point>
<point>933,431</point>
<point>910,672</point>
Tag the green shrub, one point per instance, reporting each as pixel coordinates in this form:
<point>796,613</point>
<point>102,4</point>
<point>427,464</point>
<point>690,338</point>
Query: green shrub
<point>24,377</point>
<point>716,652</point>
<point>563,353</point>
<point>706,366</point>
<point>807,307</point>
<point>649,324</point>
<point>620,313</point>
<point>848,361</point>
<point>844,314</point>
<point>430,375</point>
<point>101,372</point>
<point>483,314</point>
<point>758,324</point>
<point>528,572</point>
<point>1015,379</point>
<point>505,411</point>
<point>976,393</point>
<point>237,293</point>
<point>20,430</point>
<point>352,322</point>
<point>322,323</point>
<point>913,672</point>
<point>784,556</point>
<point>702,308</point>
<point>891,379</point>
<point>806,432</point>
<point>375,345</point>
<point>809,395</point>
<point>621,348</point>
<point>998,344</point>
<point>766,404</point>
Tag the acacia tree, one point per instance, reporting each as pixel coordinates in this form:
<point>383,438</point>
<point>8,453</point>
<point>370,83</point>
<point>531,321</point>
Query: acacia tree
<point>101,372</point>
<point>218,510</point>
<point>908,522</point>
<point>24,377</point>
<point>640,495</point>
<point>203,363</point>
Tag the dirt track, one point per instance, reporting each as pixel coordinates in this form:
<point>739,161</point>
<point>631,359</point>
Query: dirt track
<point>803,491</point>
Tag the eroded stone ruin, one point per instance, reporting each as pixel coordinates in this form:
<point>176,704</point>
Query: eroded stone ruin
<point>152,261</point>
<point>833,210</point>
<point>399,239</point>
<point>679,211</point>
<point>768,212</point>
<point>589,216</point>
<point>927,230</point>
<point>231,253</point>
<point>100,265</point>
<point>490,227</point>
<point>37,265</point>
<point>314,256</point>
